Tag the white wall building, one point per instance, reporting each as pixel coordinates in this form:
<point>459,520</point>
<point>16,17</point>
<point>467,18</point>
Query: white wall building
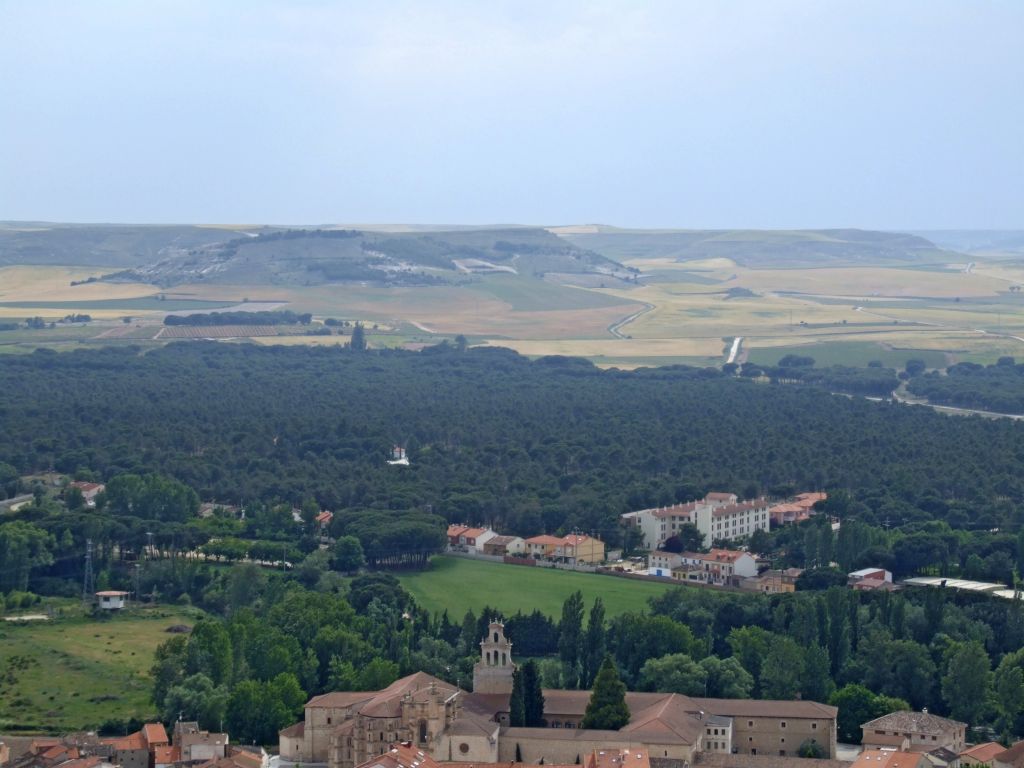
<point>717,516</point>
<point>733,520</point>
<point>111,600</point>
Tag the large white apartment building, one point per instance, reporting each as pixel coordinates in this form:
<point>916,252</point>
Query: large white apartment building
<point>718,516</point>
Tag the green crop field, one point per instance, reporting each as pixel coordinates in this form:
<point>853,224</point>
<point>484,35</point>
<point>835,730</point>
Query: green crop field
<point>459,584</point>
<point>849,353</point>
<point>73,673</point>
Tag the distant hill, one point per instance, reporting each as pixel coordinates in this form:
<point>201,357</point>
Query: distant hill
<point>313,257</point>
<point>109,245</point>
<point>986,242</point>
<point>399,255</point>
<point>761,248</point>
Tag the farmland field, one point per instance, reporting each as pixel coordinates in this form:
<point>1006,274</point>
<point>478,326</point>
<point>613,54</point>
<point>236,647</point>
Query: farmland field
<point>56,673</point>
<point>215,331</point>
<point>459,584</point>
<point>685,306</point>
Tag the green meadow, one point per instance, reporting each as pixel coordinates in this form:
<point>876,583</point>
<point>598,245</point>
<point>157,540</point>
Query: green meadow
<point>457,584</point>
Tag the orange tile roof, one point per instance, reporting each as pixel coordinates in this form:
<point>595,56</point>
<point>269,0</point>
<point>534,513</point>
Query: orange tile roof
<point>155,734</point>
<point>544,539</point>
<point>619,758</point>
<point>126,743</point>
<point>166,755</point>
<point>984,753</point>
<point>887,758</point>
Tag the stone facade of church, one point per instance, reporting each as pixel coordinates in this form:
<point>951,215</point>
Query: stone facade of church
<point>345,729</point>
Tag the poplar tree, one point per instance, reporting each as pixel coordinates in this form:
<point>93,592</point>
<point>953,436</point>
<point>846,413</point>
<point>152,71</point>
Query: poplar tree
<point>570,638</point>
<point>594,644</point>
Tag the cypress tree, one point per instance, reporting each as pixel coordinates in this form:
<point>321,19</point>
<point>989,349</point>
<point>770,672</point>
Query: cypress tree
<point>607,710</point>
<point>517,703</point>
<point>533,697</point>
<point>358,342</point>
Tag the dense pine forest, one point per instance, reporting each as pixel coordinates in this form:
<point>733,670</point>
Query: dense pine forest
<point>493,437</point>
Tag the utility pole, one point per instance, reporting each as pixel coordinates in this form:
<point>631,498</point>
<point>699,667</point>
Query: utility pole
<point>138,573</point>
<point>88,581</point>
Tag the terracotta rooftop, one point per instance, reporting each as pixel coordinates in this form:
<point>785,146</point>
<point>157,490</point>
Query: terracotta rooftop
<point>807,710</point>
<point>166,755</point>
<point>155,734</point>
<point>743,506</point>
<point>126,743</point>
<point>887,758</point>
<point>402,755</point>
<point>984,753</point>
<point>339,699</point>
<point>575,539</point>
<point>499,541</point>
<point>720,496</point>
<point>544,539</point>
<point>619,758</point>
<point>1013,756</point>
<point>914,722</point>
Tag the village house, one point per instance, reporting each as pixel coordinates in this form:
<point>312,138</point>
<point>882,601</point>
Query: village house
<point>543,546</point>
<point>795,510</point>
<point>773,582</point>
<point>194,744</point>
<point>89,490</point>
<point>982,754</point>
<point>661,563</point>
<point>454,531</point>
<point>578,548</point>
<point>111,599</point>
<point>504,545</point>
<point>914,732</point>
<point>719,566</point>
<point>239,756</point>
<point>347,728</point>
<point>870,578</point>
<point>87,750</point>
<point>462,538</point>
<point>1010,758</point>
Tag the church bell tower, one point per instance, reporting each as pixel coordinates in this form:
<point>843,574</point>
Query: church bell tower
<point>493,673</point>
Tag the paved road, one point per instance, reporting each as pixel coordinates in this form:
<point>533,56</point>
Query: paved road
<point>735,350</point>
<point>616,328</point>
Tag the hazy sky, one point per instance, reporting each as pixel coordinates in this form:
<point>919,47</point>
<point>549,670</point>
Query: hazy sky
<point>719,113</point>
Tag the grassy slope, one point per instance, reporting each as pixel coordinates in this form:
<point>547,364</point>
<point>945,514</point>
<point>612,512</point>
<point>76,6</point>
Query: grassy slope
<point>459,584</point>
<point>74,673</point>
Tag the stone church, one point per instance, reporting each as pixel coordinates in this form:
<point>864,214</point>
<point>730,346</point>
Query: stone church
<point>344,729</point>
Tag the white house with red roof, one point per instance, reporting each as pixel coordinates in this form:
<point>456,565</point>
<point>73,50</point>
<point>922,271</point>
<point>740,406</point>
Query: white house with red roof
<point>89,491</point>
<point>719,566</point>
